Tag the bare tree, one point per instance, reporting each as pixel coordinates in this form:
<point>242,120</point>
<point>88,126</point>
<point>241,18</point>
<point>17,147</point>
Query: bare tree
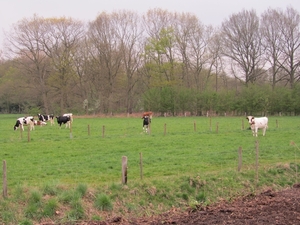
<point>24,42</point>
<point>104,49</point>
<point>216,61</point>
<point>60,39</point>
<point>272,42</point>
<point>193,41</point>
<point>129,33</point>
<point>241,41</point>
<point>289,59</point>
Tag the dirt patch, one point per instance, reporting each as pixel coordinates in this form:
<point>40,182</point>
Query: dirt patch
<point>268,207</point>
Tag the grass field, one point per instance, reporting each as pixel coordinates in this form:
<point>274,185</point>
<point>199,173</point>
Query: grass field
<point>178,149</point>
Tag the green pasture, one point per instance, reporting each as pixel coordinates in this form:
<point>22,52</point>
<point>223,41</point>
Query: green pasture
<point>187,162</point>
<point>176,146</point>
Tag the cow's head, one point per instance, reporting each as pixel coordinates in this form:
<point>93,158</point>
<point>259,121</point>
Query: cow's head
<point>250,120</point>
<point>17,124</point>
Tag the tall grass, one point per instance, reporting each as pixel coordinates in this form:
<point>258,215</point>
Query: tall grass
<point>181,166</point>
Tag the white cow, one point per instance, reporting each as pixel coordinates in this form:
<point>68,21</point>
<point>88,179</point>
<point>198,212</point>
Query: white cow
<point>258,123</point>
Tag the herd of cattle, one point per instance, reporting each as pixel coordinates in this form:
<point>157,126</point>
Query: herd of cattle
<point>67,118</point>
<point>30,121</point>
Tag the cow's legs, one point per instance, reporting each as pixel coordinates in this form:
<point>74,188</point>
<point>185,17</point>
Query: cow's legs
<point>145,128</point>
<point>264,131</point>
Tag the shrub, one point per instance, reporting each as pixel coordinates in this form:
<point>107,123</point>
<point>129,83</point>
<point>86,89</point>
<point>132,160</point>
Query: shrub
<point>81,189</point>
<point>77,211</point>
<point>50,207</point>
<point>103,202</point>
<point>69,196</point>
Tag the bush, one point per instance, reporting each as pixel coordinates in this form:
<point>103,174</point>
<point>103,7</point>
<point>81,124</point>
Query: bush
<point>103,202</point>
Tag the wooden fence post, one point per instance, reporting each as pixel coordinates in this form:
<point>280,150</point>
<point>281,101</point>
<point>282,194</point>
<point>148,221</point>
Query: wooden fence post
<point>124,170</point>
<point>243,124</point>
<point>240,159</point>
<point>71,129</point>
<point>28,133</point>
<point>256,161</point>
<point>4,180</point>
<point>103,130</point>
<point>217,129</point>
<point>141,165</point>
<point>89,130</point>
<point>195,128</point>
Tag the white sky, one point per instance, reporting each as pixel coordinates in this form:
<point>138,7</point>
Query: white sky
<point>210,12</point>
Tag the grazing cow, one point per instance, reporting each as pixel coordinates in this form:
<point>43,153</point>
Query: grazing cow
<point>29,120</point>
<point>258,123</point>
<point>19,123</point>
<point>147,116</point>
<point>45,118</point>
<point>70,115</point>
<point>64,120</point>
<point>23,121</point>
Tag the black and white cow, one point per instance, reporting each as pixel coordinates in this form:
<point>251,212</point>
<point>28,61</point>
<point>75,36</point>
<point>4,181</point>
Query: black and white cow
<point>45,118</point>
<point>146,123</point>
<point>23,121</point>
<point>19,123</point>
<point>29,120</point>
<point>64,120</point>
<point>70,115</point>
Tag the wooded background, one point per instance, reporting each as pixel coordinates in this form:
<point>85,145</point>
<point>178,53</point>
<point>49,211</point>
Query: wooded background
<point>166,62</point>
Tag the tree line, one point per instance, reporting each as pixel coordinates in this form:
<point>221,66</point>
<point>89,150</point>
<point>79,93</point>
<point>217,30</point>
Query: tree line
<point>167,62</point>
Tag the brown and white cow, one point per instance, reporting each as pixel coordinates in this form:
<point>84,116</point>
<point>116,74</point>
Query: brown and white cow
<point>258,123</point>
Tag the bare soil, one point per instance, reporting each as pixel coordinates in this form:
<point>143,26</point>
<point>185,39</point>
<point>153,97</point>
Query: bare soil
<point>268,207</point>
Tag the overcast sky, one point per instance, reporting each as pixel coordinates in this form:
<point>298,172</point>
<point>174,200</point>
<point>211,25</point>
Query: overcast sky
<point>210,12</point>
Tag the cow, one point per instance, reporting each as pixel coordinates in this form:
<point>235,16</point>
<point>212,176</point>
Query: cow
<point>64,120</point>
<point>70,115</point>
<point>19,123</point>
<point>147,116</point>
<point>39,123</point>
<point>45,118</point>
<point>29,120</point>
<point>22,121</point>
<point>257,123</point>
